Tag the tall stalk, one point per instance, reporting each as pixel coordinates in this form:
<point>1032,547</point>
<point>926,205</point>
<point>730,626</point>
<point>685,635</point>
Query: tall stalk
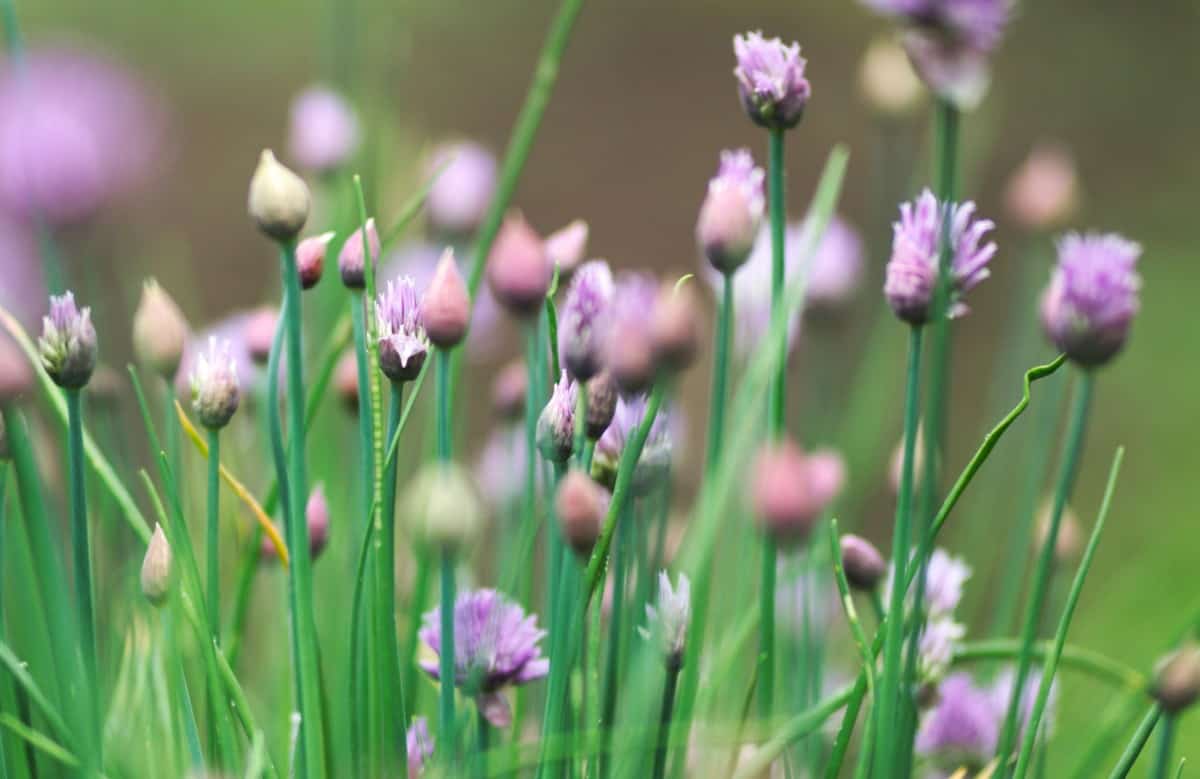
<point>212,558</point>
<point>446,650</point>
<point>81,548</point>
<point>386,566</point>
<point>664,719</point>
<point>1162,755</point>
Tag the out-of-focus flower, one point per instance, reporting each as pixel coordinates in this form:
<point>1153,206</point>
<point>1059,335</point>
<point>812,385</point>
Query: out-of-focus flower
<point>323,130</point>
<point>556,425</point>
<point>259,332</point>
<point>674,328</point>
<point>232,330</point>
<point>732,212</point>
<point>1177,679</point>
<point>583,321</point>
<point>770,78</point>
<point>402,340</point>
<point>580,504</point>
<point>16,374</point>
<point>945,576</point>
<point>805,596</point>
<point>310,258</point>
<point>655,462</point>
<point>1043,193</point>
<point>602,405</point>
<point>446,306</point>
<point>160,330</point>
<point>790,489</point>
<point>419,744</point>
<point>23,292</point>
<point>345,381</point>
<point>76,131</point>
<point>1002,692</point>
<point>567,246</point>
<point>215,389</point>
<point>668,618</point>
<point>352,260</point>
<point>896,464</point>
<point>463,189</point>
<point>495,645</point>
<point>1069,541</point>
<point>316,515</point>
<point>887,80</point>
<point>500,467</point>
<point>940,637</point>
<point>156,568</point>
<point>862,563</point>
<point>443,507</point>
<point>630,352</point>
<point>279,200</point>
<point>836,269</point>
<point>508,391</point>
<point>912,271</point>
<point>962,729</point>
<point>518,270</point>
<point>67,345</point>
<point>1093,296</point>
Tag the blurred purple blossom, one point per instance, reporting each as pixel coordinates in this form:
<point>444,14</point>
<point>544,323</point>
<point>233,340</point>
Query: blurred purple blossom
<point>323,130</point>
<point>232,329</point>
<point>584,318</point>
<point>23,292</point>
<point>462,191</point>
<point>419,744</point>
<point>657,453</point>
<point>836,269</point>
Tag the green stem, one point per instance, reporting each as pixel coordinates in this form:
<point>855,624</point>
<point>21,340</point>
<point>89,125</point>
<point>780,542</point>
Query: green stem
<point>420,594</point>
<point>1166,740</point>
<point>529,497</point>
<point>612,661</point>
<point>365,432</point>
<point>446,660</point>
<point>664,719</point>
<point>385,565</point>
<point>1045,563</point>
<point>482,747</point>
<point>1137,743</point>
<point>890,692</point>
<point>81,547</point>
<point>212,549</point>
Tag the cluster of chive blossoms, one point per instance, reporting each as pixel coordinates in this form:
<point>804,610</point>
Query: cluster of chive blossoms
<point>770,79</point>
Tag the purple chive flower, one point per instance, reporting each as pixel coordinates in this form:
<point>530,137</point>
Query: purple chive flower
<point>944,579</point>
<point>962,729</point>
<point>732,211</point>
<point>77,130</point>
<point>655,463</point>
<point>584,318</point>
<point>556,425</point>
<point>419,745</point>
<point>771,81</point>
<point>214,382</point>
<point>463,188</point>
<point>1002,690</point>
<point>1093,296</point>
<point>629,351</point>
<point>231,330</point>
<point>402,340</point>
<point>939,640</point>
<point>668,618</point>
<point>495,645</point>
<point>323,132</point>
<point>836,269</point>
<point>68,342</point>
<point>912,271</point>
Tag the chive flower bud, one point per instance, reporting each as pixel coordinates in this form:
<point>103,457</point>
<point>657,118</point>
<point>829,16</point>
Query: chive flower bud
<point>630,352</point>
<point>556,425</point>
<point>16,374</point>
<point>316,515</point>
<point>602,405</point>
<point>863,564</point>
<point>1089,306</point>
<point>584,318</point>
<point>508,391</point>
<point>834,273</point>
<point>310,258</point>
<point>790,489</point>
<point>68,342</point>
<point>732,212</point>
<point>446,306</point>
<point>351,261</point>
<point>567,246</point>
<point>345,382</point>
<point>402,341</point>
<point>160,331</point>
<point>156,568</point>
<point>770,79</point>
<point>518,270</point>
<point>259,332</point>
<point>463,186</point>
<point>669,617</point>
<point>215,389</point>
<point>443,506</point>
<point>1043,193</point>
<point>580,505</point>
<point>674,331</point>
<point>323,131</point>
<point>279,201</point>
<point>1177,679</point>
<point>887,81</point>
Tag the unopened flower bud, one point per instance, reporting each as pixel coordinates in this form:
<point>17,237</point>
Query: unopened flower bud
<point>156,568</point>
<point>862,563</point>
<point>1177,679</point>
<point>732,212</point>
<point>518,270</point>
<point>508,391</point>
<point>259,332</point>
<point>16,374</point>
<point>556,425</point>
<point>674,331</point>
<point>1043,194</point>
<point>351,260</point>
<point>580,505</point>
<point>345,382</point>
<point>631,358</point>
<point>278,200</point>
<point>68,342</point>
<point>446,306</point>
<point>567,246</point>
<point>584,319</point>
<point>316,514</point>
<point>887,80</point>
<point>215,389</point>
<point>443,506</point>
<point>791,489</point>
<point>602,405</point>
<point>310,258</point>
<point>160,331</point>
<point>1069,542</point>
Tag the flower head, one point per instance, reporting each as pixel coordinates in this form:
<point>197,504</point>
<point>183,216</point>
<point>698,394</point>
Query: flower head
<point>864,566</point>
<point>886,79</point>
<point>156,568</point>
<point>419,744</point>
<point>160,330</point>
<point>580,504</point>
<point>940,638</point>
<point>499,469</point>
<point>912,271</point>
<point>556,425</point>
<point>567,246</point>
<point>836,268</point>
<point>1177,679</point>
<point>674,328</point>
<point>518,269</point>
<point>495,645</point>
<point>462,189</point>
<point>446,306</point>
<point>584,319</point>
<point>963,728</point>
<point>1093,296</point>
<point>402,340</point>
<point>258,333</point>
<point>791,489</point>
<point>732,212</point>
<point>68,342</point>
<point>279,200</point>
<point>602,404</point>
<point>655,463</point>
<point>215,388</point>
<point>310,258</point>
<point>352,260</point>
<point>630,352</point>
<point>443,507</point>
<point>323,132</point>
<point>770,77</point>
<point>508,391</point>
<point>668,618</point>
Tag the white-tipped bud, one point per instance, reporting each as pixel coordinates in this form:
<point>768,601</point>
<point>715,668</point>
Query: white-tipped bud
<point>156,568</point>
<point>279,201</point>
<point>443,506</point>
<point>1177,679</point>
<point>887,79</point>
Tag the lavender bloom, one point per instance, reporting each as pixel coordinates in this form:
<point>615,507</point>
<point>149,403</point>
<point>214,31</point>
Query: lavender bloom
<point>584,318</point>
<point>1093,296</point>
<point>771,81</point>
<point>668,620</point>
<point>556,425</point>
<point>495,645</point>
<point>944,579</point>
<point>1002,691</point>
<point>76,131</point>
<point>630,351</point>
<point>804,596</point>
<point>962,729</point>
<point>500,467</point>
<point>463,188</point>
<point>836,269</point>
<point>912,272</point>
<point>323,133</point>
<point>655,462</point>
<point>567,246</point>
<point>402,340</point>
<point>419,745</point>
<point>936,647</point>
<point>230,330</point>
<point>352,260</point>
<point>732,212</point>
<point>215,389</point>
<point>68,342</point>
<point>24,288</point>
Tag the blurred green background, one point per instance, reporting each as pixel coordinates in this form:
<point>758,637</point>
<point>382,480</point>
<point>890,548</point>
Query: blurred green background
<point>644,102</point>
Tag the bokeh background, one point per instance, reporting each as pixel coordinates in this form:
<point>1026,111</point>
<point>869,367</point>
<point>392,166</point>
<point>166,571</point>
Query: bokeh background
<point>644,102</point>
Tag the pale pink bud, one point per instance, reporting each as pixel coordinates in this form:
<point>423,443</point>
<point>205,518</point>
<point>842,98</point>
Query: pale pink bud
<point>1043,194</point>
<point>446,306</point>
<point>160,331</point>
<point>518,270</point>
<point>351,260</point>
<point>278,200</point>
<point>567,247</point>
<point>508,391</point>
<point>791,489</point>
<point>345,382</point>
<point>580,505</point>
<point>259,332</point>
<point>310,258</point>
<point>674,329</point>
